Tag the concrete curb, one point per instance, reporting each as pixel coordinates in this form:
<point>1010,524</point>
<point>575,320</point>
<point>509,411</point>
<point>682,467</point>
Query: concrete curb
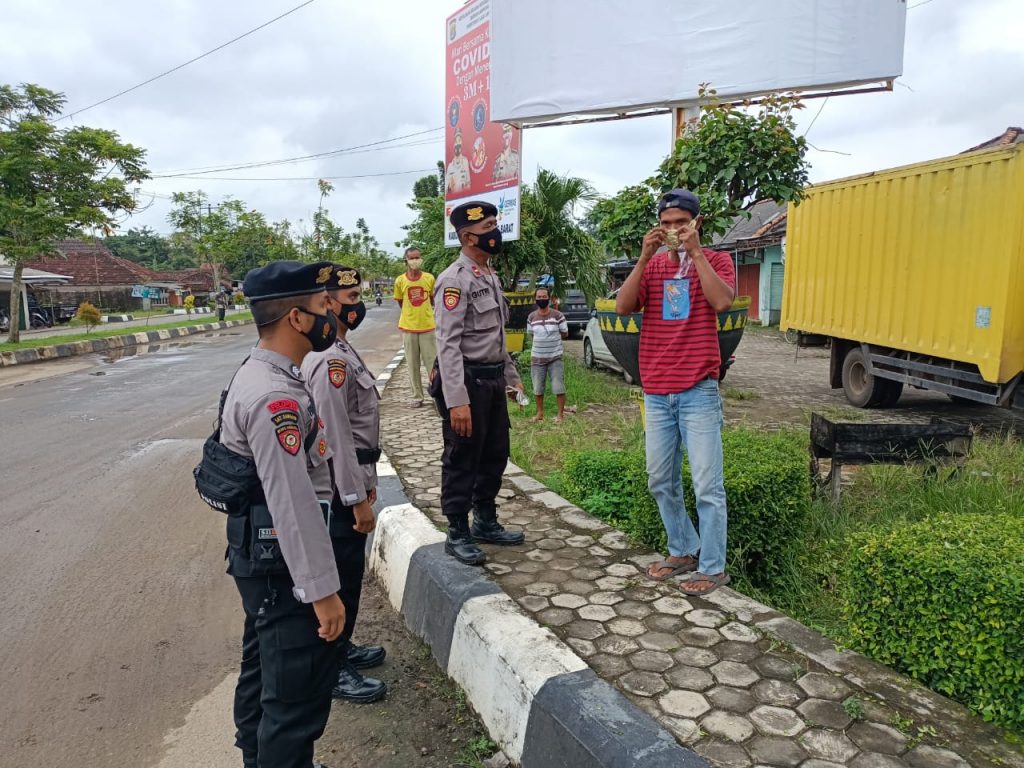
<point>71,349</point>
<point>540,702</point>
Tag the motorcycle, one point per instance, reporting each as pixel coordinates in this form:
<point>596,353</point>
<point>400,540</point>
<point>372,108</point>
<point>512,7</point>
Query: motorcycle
<point>5,321</point>
<point>379,299</point>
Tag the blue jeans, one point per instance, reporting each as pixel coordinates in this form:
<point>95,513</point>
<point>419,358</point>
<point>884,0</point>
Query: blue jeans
<point>692,418</point>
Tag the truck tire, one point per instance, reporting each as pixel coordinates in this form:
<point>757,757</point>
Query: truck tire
<point>863,389</point>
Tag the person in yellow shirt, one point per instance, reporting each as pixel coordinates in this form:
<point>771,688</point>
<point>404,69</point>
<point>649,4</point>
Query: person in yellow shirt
<point>414,292</point>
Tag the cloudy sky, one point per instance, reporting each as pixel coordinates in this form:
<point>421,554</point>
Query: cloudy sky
<point>339,73</point>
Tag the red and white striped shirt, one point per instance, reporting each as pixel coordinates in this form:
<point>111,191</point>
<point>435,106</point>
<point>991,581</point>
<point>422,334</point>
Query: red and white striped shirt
<point>677,354</point>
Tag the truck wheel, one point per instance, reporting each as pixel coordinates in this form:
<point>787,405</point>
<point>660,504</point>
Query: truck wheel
<point>862,389</point>
<point>588,354</point>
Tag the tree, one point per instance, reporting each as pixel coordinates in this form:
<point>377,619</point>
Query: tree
<point>732,158</point>
<point>88,315</point>
<point>620,222</point>
<point>429,186</point>
<point>143,246</point>
<point>56,183</point>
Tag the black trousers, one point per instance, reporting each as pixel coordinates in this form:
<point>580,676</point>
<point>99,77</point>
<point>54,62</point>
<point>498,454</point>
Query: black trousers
<point>283,696</point>
<point>350,555</point>
<point>472,467</point>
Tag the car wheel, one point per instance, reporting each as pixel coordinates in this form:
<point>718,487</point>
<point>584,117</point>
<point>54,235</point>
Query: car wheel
<point>588,353</point>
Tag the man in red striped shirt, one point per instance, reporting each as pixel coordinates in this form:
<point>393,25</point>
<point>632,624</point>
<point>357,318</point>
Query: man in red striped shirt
<point>680,287</point>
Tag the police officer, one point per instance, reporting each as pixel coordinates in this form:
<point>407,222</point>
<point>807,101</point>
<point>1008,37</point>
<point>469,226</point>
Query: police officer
<point>346,396</point>
<point>279,550</point>
<point>469,385</point>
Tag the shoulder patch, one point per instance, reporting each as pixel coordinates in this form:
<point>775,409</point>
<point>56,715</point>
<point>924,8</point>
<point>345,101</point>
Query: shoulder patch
<point>289,437</point>
<point>283,405</point>
<point>337,370</point>
<point>452,297</point>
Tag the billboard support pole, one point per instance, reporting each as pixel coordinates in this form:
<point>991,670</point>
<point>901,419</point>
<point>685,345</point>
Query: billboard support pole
<point>682,117</point>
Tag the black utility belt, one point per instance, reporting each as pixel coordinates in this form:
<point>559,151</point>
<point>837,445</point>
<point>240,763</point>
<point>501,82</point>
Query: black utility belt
<point>368,455</point>
<point>484,370</point>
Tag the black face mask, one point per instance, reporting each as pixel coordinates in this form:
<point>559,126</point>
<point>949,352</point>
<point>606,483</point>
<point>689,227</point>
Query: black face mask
<point>543,303</point>
<point>352,315</point>
<point>490,242</point>
<point>324,331</point>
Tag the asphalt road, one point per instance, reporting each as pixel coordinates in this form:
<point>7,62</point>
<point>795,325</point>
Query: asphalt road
<point>118,620</point>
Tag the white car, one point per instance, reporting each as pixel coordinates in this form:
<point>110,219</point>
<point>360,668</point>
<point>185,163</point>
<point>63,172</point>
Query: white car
<point>596,352</point>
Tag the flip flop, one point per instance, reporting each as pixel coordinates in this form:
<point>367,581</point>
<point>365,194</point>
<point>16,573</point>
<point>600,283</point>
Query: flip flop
<point>687,587</point>
<point>685,567</point>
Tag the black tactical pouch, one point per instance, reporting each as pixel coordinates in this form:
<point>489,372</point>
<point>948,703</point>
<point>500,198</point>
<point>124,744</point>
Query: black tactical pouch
<point>265,558</point>
<point>225,480</point>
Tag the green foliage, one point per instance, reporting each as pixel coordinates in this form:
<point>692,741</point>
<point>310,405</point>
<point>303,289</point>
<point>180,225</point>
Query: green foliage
<point>55,183</point>
<point>732,158</point>
<point>622,221</point>
<point>146,247</point>
<point>430,186</point>
<point>88,315</point>
<point>943,601</point>
<point>766,485</point>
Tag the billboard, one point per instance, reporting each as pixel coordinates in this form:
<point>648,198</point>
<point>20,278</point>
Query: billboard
<point>573,57</point>
<point>482,159</point>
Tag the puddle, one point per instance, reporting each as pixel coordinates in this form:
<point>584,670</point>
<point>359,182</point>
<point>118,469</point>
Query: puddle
<point>114,355</point>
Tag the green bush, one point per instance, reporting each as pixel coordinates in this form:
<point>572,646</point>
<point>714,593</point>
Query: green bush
<point>766,484</point>
<point>943,601</point>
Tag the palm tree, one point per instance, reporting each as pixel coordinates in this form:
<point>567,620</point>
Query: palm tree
<point>553,239</point>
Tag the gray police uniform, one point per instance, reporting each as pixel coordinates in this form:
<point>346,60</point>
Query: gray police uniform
<point>346,395</point>
<point>470,313</point>
<point>282,559</point>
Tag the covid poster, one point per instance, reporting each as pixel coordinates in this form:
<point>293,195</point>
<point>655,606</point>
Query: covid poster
<point>482,159</point>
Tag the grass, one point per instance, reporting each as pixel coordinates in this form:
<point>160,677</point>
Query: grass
<point>732,393</point>
<point>106,332</point>
<point>606,416</point>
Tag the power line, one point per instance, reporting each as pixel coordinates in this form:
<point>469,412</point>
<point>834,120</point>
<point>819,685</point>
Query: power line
<point>357,149</point>
<point>190,61</point>
<point>820,110</point>
<point>918,5</point>
<point>307,178</point>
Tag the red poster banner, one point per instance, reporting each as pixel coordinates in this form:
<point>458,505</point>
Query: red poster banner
<point>482,159</point>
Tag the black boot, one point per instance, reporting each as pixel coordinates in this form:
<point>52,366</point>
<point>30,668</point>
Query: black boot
<point>366,656</point>
<point>487,529</point>
<point>459,544</point>
<point>353,687</point>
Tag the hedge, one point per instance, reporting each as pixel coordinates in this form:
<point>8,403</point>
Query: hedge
<point>943,601</point>
<point>767,487</point>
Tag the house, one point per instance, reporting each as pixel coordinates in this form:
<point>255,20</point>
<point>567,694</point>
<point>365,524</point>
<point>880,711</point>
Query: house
<point>757,245</point>
<point>1006,138</point>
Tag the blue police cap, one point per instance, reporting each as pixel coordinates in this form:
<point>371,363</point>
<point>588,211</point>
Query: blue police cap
<point>680,198</point>
<point>280,279</point>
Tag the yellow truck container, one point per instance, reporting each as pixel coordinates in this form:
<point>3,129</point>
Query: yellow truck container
<point>916,275</point>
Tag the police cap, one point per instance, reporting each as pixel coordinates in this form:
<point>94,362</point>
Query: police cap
<point>343,277</point>
<point>471,213</point>
<point>680,198</point>
<point>280,279</point>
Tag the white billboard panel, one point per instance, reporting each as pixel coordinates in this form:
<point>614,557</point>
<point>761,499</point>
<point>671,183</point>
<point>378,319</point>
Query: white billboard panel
<point>552,58</point>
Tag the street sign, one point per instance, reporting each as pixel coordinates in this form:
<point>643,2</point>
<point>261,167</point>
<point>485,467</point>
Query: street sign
<point>483,159</point>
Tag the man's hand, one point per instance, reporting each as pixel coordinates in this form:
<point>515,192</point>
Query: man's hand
<point>514,391</point>
<point>371,496</point>
<point>331,614</point>
<point>462,420</point>
<point>689,236</point>
<point>653,240</point>
<point>365,521</point>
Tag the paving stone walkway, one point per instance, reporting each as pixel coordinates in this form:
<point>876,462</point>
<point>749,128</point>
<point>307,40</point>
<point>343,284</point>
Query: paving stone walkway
<point>732,679</point>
